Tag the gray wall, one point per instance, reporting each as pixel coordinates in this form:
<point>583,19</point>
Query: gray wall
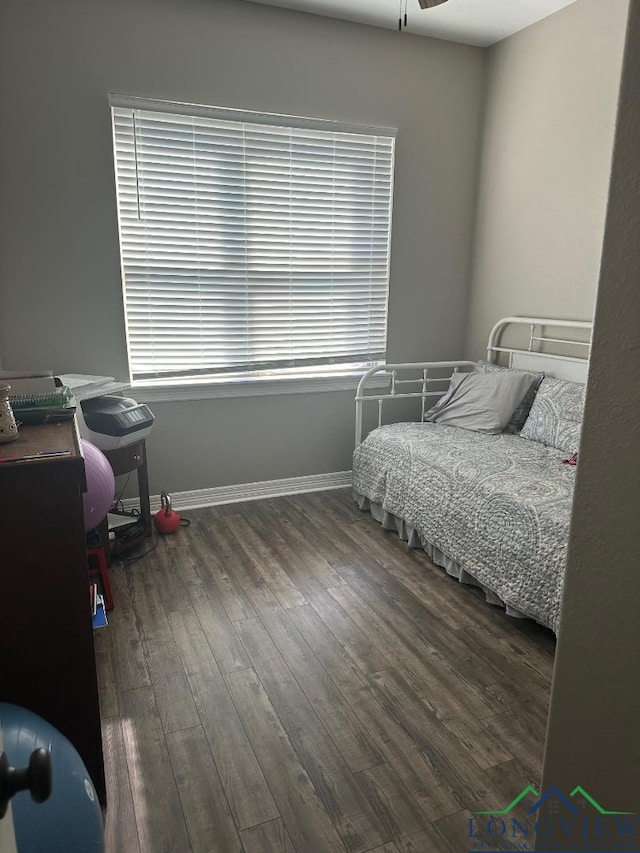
<point>594,736</point>
<point>61,303</point>
<point>546,156</point>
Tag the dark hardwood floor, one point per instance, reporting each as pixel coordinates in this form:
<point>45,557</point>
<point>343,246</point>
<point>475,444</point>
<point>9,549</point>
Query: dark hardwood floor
<point>284,675</point>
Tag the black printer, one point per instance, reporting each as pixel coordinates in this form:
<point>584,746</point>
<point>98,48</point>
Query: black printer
<point>113,421</point>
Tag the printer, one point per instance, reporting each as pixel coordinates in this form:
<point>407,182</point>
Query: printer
<point>111,421</point>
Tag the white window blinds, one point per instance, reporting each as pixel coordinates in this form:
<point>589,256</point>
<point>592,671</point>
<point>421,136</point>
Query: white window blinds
<point>249,246</point>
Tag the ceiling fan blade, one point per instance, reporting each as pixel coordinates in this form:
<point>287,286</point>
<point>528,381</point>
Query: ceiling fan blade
<point>429,4</point>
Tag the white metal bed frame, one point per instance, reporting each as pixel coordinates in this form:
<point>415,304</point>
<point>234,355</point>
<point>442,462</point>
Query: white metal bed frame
<point>534,356</point>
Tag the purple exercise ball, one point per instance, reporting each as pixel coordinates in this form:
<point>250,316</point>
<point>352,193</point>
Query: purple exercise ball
<point>101,485</point>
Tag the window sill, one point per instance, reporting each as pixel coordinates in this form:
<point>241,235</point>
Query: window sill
<point>146,392</point>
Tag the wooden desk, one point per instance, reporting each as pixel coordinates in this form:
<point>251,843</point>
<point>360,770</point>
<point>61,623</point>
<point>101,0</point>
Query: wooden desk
<point>133,457</point>
<point>47,661</point>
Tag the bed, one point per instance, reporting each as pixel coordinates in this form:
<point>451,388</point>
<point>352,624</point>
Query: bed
<point>492,509</point>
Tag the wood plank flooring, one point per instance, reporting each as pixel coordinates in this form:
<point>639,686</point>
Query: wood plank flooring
<point>285,676</point>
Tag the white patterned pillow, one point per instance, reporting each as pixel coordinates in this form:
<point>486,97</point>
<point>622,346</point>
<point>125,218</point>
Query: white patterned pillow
<point>555,418</point>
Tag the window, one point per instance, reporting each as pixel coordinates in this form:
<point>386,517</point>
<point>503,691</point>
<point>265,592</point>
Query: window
<point>251,245</point>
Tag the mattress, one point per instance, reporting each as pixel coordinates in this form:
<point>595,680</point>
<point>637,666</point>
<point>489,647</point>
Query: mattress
<point>496,508</point>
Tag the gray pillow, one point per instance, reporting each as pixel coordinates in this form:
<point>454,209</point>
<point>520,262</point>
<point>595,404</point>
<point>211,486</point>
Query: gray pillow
<point>517,420</point>
<point>555,418</point>
<point>483,402</point>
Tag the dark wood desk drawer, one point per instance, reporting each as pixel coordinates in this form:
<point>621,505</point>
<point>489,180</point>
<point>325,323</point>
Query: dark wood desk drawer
<point>125,459</point>
<point>47,660</point>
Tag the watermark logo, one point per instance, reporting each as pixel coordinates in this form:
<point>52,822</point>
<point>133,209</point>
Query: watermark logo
<point>554,821</point>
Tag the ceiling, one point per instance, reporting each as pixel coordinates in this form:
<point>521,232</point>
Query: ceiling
<point>478,22</point>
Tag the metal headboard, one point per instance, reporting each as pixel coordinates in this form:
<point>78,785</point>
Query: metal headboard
<point>556,347</point>
<point>537,348</point>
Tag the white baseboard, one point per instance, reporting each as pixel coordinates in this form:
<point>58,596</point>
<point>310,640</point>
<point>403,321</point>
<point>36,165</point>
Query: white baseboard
<point>250,491</point>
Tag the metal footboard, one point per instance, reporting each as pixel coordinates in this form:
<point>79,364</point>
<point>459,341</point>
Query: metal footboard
<point>432,381</point>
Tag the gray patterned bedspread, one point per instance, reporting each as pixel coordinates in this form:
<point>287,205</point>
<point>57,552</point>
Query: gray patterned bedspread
<point>499,505</point>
